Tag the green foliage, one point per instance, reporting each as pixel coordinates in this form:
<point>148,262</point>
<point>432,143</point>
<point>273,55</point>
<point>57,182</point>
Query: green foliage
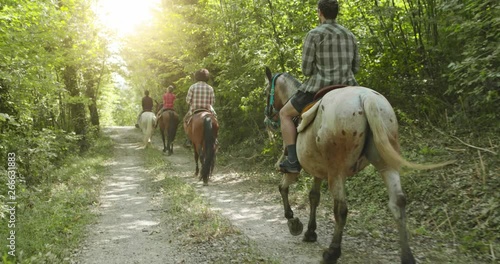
<point>473,73</point>
<point>38,152</point>
<point>51,217</point>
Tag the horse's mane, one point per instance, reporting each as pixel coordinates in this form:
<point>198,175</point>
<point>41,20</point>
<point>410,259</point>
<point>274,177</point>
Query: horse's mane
<point>289,78</point>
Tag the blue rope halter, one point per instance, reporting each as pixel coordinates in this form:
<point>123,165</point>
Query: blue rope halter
<point>270,111</point>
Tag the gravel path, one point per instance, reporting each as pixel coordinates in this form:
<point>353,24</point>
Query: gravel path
<point>128,229</point>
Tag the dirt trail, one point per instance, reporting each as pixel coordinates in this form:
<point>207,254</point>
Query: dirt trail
<point>128,227</point>
<point>129,230</point>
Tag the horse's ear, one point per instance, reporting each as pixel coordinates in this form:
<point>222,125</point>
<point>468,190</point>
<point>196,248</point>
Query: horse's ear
<point>269,74</point>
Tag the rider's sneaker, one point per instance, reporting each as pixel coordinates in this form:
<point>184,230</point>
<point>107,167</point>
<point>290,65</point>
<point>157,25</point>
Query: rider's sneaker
<point>290,167</point>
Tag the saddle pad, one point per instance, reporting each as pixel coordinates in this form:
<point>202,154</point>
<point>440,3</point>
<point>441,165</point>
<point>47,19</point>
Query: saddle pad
<point>308,116</point>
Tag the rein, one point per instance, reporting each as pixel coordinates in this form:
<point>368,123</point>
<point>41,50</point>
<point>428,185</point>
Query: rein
<point>270,111</point>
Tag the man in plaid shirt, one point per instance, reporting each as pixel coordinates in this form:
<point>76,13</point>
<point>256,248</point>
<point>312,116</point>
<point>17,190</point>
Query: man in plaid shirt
<point>330,56</point>
<point>200,95</point>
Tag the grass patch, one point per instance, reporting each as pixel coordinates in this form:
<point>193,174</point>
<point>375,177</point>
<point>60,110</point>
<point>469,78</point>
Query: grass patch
<point>51,217</point>
<point>198,228</point>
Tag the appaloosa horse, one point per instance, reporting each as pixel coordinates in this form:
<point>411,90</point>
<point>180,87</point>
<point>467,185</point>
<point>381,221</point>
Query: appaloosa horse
<point>340,135</point>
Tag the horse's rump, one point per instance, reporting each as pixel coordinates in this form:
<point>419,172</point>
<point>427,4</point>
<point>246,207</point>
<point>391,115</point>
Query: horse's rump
<point>146,123</point>
<point>336,134</point>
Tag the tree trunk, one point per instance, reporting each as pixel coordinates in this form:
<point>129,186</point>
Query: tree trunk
<point>76,106</point>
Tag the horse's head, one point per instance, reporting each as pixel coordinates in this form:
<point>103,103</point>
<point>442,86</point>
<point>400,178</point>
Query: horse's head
<point>280,87</point>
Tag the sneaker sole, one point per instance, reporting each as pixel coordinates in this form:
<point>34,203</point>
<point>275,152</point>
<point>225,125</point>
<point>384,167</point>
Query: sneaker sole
<point>287,171</point>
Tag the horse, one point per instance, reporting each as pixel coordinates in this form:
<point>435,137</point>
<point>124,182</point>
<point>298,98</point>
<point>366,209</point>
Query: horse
<point>168,122</point>
<point>146,124</point>
<point>343,132</point>
<point>202,130</point>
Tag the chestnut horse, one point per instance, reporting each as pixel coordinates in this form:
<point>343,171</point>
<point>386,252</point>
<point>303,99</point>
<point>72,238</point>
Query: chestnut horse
<point>340,135</point>
<point>168,122</point>
<point>202,130</point>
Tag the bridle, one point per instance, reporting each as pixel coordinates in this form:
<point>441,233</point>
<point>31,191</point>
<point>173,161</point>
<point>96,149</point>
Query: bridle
<point>271,112</point>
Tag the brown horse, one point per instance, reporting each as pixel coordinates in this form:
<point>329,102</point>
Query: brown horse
<point>340,135</point>
<point>202,130</point>
<point>168,122</point>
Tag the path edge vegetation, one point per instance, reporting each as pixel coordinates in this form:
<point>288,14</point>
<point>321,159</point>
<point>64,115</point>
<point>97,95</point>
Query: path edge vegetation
<point>52,218</point>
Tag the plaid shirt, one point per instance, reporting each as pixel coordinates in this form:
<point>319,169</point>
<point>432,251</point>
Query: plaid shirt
<point>330,56</point>
<point>168,100</point>
<point>200,95</point>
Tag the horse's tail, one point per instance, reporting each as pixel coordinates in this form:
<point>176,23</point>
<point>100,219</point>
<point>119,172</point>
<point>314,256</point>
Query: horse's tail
<point>385,143</point>
<point>208,147</point>
<point>172,126</point>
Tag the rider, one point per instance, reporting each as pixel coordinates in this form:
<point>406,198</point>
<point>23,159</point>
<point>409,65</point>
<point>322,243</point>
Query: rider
<point>329,56</point>
<point>147,106</point>
<point>168,100</point>
<point>200,95</point>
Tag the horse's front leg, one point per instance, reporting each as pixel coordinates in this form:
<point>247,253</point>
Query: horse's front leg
<point>337,188</point>
<point>281,158</point>
<point>294,224</point>
<point>314,196</point>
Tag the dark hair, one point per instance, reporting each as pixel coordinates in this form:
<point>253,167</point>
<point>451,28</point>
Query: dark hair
<point>329,8</point>
<point>201,75</point>
<point>146,92</point>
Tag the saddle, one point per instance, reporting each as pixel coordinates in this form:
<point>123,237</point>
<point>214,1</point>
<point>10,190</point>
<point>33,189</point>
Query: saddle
<point>196,111</point>
<point>309,112</point>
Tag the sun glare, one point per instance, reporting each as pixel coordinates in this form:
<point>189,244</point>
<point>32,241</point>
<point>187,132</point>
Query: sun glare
<point>123,16</point>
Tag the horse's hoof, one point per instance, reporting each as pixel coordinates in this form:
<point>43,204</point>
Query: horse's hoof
<point>310,236</point>
<point>408,259</point>
<point>330,256</point>
<point>295,226</point>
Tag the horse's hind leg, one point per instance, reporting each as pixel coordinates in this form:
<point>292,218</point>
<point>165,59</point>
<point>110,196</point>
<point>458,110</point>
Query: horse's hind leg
<point>336,184</point>
<point>397,204</point>
<point>196,161</point>
<point>163,139</point>
<point>294,225</point>
<point>314,195</point>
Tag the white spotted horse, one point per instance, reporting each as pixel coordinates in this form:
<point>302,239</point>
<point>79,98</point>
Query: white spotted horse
<point>343,132</point>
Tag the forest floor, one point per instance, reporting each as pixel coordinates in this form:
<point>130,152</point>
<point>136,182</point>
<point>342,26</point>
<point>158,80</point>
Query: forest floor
<point>135,223</point>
